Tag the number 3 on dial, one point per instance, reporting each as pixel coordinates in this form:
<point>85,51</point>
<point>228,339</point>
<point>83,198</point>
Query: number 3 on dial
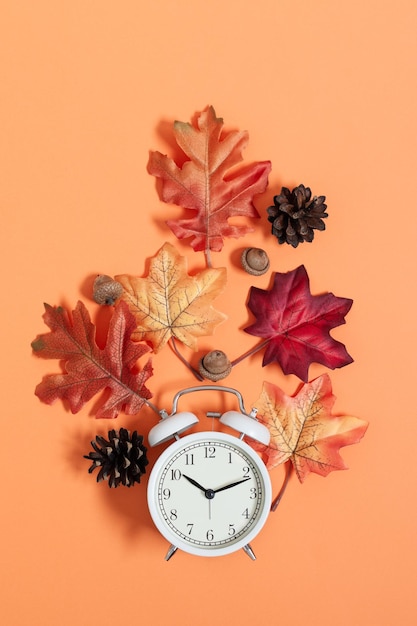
<point>209,494</point>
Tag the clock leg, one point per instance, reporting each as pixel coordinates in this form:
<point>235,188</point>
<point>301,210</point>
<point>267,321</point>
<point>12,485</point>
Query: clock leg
<point>249,552</point>
<point>172,550</point>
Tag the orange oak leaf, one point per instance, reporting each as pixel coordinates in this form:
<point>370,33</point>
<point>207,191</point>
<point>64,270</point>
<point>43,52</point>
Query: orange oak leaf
<point>170,303</point>
<point>304,430</point>
<point>205,183</point>
<point>90,369</point>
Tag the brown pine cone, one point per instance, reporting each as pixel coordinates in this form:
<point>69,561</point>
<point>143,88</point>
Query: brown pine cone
<point>295,215</point>
<point>121,458</point>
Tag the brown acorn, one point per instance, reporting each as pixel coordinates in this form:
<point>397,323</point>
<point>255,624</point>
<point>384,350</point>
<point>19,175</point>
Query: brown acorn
<point>106,290</point>
<point>255,261</point>
<point>215,365</point>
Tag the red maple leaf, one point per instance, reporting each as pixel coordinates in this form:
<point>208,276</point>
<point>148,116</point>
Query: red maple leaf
<point>204,183</point>
<point>90,369</point>
<point>303,429</point>
<point>296,325</point>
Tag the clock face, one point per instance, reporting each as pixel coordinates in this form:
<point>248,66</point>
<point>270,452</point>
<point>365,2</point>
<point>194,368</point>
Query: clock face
<point>209,493</point>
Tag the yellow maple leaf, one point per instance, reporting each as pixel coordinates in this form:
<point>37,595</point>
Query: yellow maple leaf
<point>170,303</point>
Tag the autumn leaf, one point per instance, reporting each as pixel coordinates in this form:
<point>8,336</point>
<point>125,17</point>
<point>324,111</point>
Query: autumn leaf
<point>170,303</point>
<point>90,369</point>
<point>296,324</point>
<point>205,183</point>
<point>303,429</point>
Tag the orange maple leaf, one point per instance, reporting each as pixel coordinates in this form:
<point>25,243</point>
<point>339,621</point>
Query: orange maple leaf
<point>170,303</point>
<point>304,430</point>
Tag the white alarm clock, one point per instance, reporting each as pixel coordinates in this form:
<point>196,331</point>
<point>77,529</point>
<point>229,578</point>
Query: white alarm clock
<point>209,493</point>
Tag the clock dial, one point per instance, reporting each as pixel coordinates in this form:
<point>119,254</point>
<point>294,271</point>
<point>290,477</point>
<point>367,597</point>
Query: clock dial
<point>209,493</point>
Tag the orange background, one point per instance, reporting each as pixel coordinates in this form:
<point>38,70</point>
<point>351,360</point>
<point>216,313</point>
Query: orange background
<point>327,91</point>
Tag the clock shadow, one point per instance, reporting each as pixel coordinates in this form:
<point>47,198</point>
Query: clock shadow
<point>129,508</point>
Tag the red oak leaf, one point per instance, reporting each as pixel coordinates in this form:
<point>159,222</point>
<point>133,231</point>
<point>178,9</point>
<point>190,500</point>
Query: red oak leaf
<point>204,183</point>
<point>296,325</point>
<point>303,429</point>
<point>90,369</point>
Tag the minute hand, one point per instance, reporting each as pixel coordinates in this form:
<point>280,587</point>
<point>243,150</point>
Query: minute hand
<point>231,485</point>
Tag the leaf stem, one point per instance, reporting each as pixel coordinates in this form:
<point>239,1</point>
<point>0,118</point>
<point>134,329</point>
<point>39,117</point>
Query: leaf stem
<point>249,353</point>
<point>174,346</point>
<point>208,257</point>
<point>288,472</point>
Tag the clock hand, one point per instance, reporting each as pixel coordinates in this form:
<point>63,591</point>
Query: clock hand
<point>195,483</point>
<point>232,484</point>
<point>209,493</point>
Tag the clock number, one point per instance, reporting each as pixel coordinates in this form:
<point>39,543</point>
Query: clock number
<point>232,530</point>
<point>175,474</point>
<point>189,459</point>
<point>230,457</point>
<point>210,452</point>
<point>253,493</point>
<point>173,515</point>
<point>166,494</point>
<point>190,528</point>
<point>210,535</point>
<point>246,471</point>
<point>245,514</point>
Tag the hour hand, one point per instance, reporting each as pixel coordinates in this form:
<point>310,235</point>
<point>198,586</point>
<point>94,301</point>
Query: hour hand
<point>232,484</point>
<point>195,483</point>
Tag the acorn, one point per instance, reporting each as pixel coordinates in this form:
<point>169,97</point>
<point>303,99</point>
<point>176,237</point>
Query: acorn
<point>106,290</point>
<point>255,261</point>
<point>215,365</point>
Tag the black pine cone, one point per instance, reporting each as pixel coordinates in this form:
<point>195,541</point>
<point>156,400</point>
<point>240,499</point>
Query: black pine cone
<point>122,458</point>
<point>295,215</point>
